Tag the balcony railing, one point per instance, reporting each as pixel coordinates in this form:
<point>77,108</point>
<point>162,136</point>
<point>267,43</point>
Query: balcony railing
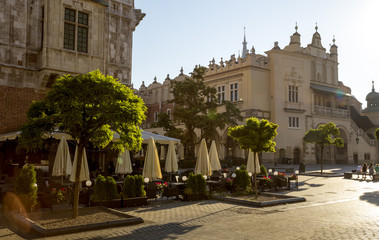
<point>333,112</point>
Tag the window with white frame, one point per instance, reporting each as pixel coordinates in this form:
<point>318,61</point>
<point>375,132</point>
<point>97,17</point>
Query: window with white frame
<point>221,94</point>
<point>293,122</point>
<point>367,156</point>
<point>169,113</point>
<point>234,92</point>
<point>155,116</point>
<point>293,94</point>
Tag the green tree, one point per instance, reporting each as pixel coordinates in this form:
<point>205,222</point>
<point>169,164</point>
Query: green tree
<point>377,133</point>
<point>91,108</point>
<point>256,136</point>
<point>196,108</point>
<point>322,138</point>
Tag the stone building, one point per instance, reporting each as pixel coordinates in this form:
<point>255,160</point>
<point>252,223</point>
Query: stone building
<point>296,87</point>
<point>42,40</point>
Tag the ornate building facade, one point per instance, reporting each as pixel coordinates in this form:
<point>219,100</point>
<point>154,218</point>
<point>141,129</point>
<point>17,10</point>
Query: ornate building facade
<point>41,40</point>
<point>295,87</point>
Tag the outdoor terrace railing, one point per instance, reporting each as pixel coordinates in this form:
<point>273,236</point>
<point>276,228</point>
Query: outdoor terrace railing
<point>333,112</point>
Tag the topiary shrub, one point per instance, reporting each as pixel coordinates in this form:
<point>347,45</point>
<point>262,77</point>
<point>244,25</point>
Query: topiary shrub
<point>105,189</point>
<point>128,190</point>
<point>200,184</point>
<point>242,179</point>
<point>243,167</point>
<point>195,184</point>
<point>133,187</point>
<point>139,186</point>
<point>111,188</point>
<point>26,187</point>
<point>100,189</point>
<point>263,171</point>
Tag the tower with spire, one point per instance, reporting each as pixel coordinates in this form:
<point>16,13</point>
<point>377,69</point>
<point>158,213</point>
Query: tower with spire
<point>244,44</point>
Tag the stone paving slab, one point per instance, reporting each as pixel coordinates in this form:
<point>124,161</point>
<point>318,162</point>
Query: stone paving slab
<point>336,208</point>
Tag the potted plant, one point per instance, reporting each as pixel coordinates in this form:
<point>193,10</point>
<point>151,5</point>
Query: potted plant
<point>105,193</point>
<point>265,183</point>
<point>195,187</point>
<point>242,180</point>
<point>133,193</point>
<point>281,180</point>
<point>26,187</point>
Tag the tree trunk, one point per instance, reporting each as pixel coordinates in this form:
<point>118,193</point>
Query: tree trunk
<point>255,176</point>
<point>75,205</point>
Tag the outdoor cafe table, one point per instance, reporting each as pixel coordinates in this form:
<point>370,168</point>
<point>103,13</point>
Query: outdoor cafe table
<point>210,183</point>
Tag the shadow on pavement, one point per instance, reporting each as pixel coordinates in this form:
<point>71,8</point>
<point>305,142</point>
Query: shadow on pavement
<point>161,205</point>
<point>371,197</point>
<point>171,231</point>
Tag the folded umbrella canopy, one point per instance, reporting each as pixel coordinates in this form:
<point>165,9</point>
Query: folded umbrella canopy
<point>171,159</point>
<point>124,165</point>
<point>151,167</point>
<point>203,165</point>
<point>84,171</point>
<point>213,157</point>
<point>62,163</point>
<point>250,163</point>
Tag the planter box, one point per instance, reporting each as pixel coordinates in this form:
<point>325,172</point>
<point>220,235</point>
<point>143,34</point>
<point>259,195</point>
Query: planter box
<point>115,203</point>
<point>194,197</point>
<point>133,202</point>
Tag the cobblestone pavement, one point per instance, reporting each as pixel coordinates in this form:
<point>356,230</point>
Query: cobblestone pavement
<point>336,208</point>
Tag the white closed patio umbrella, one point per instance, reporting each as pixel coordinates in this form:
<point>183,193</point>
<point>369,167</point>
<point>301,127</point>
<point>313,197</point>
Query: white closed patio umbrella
<point>151,167</point>
<point>124,164</point>
<point>203,165</point>
<point>171,159</point>
<point>213,157</point>
<point>84,171</point>
<point>62,163</point>
<point>250,163</point>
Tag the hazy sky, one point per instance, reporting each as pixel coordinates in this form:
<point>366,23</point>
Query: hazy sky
<point>184,33</point>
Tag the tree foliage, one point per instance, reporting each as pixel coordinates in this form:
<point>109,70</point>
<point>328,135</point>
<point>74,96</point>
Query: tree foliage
<point>377,133</point>
<point>256,136</point>
<point>322,136</point>
<point>91,108</point>
<point>196,106</point>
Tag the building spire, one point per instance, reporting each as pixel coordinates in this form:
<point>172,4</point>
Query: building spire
<point>244,44</point>
<point>373,88</point>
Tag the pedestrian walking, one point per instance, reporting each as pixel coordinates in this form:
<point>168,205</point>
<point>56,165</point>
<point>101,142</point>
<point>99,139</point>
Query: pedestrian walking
<point>371,170</point>
<point>364,171</point>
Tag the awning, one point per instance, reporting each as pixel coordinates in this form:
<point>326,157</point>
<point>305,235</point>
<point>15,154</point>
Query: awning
<point>328,89</point>
<point>157,138</point>
<point>14,135</point>
<point>58,135</point>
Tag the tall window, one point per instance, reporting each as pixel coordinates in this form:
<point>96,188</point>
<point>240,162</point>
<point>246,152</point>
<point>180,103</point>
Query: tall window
<point>221,94</point>
<point>75,26</point>
<point>156,117</point>
<point>293,94</point>
<point>234,92</point>
<point>293,122</point>
<point>169,113</point>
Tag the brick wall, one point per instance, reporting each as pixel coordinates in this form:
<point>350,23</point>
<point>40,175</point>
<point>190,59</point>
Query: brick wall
<point>14,104</point>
